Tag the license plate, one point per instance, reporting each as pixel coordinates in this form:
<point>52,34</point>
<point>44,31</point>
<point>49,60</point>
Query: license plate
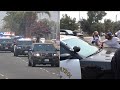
<point>46,60</point>
<point>6,47</point>
<point>26,51</point>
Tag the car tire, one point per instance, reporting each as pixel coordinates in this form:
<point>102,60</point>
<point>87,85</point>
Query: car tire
<point>57,65</point>
<point>52,64</point>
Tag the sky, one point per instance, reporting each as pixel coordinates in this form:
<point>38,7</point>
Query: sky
<point>83,14</point>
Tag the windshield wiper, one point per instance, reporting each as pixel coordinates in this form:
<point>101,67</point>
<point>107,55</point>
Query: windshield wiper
<point>99,50</point>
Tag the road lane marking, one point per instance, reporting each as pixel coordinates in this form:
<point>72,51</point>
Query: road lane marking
<point>40,68</point>
<point>2,75</point>
<point>46,70</point>
<point>22,60</point>
<point>53,73</point>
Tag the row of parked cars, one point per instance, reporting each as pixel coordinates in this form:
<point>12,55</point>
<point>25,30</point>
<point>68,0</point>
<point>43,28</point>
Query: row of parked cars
<point>38,53</point>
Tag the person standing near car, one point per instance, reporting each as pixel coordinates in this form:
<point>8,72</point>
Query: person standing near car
<point>96,38</point>
<point>115,65</point>
<point>118,34</point>
<point>111,41</point>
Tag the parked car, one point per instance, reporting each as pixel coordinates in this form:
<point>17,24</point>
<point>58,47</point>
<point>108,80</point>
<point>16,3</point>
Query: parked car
<point>82,60</point>
<point>42,40</point>
<point>70,32</point>
<point>66,32</point>
<point>6,44</point>
<point>43,53</point>
<point>22,46</point>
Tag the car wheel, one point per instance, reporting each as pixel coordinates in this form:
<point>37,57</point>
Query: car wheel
<point>57,65</point>
<point>52,64</point>
<point>32,64</point>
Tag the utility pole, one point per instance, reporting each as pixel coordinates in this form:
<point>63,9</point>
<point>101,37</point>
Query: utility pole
<point>116,18</point>
<point>79,21</point>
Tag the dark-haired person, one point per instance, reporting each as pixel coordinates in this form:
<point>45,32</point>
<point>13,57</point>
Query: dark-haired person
<point>111,41</point>
<point>118,34</point>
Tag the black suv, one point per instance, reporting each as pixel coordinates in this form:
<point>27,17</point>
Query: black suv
<point>6,44</point>
<point>22,46</point>
<point>43,53</point>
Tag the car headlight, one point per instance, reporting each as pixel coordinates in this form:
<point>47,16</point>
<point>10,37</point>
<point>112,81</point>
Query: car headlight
<point>37,54</point>
<point>54,54</point>
<point>18,47</point>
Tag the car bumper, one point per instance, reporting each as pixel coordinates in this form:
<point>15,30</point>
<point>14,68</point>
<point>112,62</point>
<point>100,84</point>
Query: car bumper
<point>6,48</point>
<point>46,60</point>
<point>22,52</point>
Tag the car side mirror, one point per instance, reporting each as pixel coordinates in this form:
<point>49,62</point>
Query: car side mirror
<point>64,56</point>
<point>76,49</point>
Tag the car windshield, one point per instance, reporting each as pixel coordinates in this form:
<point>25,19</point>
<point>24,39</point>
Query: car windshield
<point>44,47</point>
<point>5,40</point>
<point>86,49</point>
<point>24,43</point>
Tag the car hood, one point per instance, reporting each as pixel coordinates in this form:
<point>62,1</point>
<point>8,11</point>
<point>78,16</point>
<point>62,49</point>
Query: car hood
<point>104,55</point>
<point>101,59</point>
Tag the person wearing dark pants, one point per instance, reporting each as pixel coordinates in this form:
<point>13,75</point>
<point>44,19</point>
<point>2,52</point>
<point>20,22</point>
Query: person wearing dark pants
<point>115,65</point>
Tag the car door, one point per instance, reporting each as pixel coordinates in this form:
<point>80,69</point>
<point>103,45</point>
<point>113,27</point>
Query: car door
<point>69,68</point>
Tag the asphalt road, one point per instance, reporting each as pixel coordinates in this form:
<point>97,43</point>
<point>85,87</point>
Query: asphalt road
<point>12,67</point>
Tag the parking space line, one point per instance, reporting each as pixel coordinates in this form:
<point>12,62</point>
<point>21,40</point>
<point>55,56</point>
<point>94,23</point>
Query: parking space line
<point>1,74</point>
<point>22,60</point>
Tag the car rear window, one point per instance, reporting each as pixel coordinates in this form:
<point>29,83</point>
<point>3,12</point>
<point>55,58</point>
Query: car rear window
<point>44,47</point>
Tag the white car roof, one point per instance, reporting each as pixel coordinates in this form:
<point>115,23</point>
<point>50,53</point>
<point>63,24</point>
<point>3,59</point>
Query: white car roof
<point>64,37</point>
<point>5,37</point>
<point>25,39</point>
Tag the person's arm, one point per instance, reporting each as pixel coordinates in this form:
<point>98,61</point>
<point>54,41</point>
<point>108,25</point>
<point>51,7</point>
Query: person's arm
<point>102,43</point>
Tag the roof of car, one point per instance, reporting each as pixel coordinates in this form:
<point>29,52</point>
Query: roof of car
<point>64,37</point>
<point>5,37</point>
<point>25,39</point>
<point>42,43</point>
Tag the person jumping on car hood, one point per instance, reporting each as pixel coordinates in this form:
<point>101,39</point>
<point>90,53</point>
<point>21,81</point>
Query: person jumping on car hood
<point>111,41</point>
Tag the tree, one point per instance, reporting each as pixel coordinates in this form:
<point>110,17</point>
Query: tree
<point>97,27</point>
<point>85,26</point>
<point>67,22</point>
<point>116,26</point>
<point>95,16</point>
<point>20,22</point>
<point>42,28</point>
<point>92,23</point>
<point>108,25</point>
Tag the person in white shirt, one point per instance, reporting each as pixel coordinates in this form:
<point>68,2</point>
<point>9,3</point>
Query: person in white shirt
<point>111,41</point>
<point>118,34</point>
<point>96,38</point>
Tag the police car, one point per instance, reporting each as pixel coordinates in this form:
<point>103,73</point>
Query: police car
<point>80,60</point>
<point>6,44</point>
<point>22,46</point>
